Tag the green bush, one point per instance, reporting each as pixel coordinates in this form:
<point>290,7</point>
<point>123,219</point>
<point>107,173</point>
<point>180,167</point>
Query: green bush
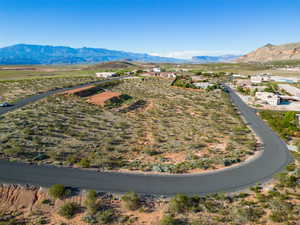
<point>91,201</point>
<point>68,210</point>
<point>84,163</point>
<point>179,203</point>
<point>279,216</point>
<point>250,213</point>
<point>131,200</point>
<point>105,216</point>
<point>168,220</point>
<point>57,191</point>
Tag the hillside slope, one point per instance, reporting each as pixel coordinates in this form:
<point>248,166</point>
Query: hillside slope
<point>42,54</point>
<point>271,52</point>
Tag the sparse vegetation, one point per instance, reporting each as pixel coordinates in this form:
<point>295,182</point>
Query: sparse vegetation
<point>175,130</point>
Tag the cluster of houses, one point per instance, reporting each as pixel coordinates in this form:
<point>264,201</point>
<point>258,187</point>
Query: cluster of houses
<point>255,84</point>
<point>156,72</point>
<point>106,74</point>
<point>266,78</point>
<point>153,72</point>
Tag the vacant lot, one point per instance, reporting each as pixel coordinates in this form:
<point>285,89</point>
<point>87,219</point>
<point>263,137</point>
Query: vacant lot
<point>160,128</point>
<point>100,99</point>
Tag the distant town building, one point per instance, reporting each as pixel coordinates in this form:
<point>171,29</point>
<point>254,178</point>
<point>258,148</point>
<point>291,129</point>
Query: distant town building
<point>239,76</point>
<point>156,70</point>
<point>105,74</point>
<point>162,74</point>
<point>259,79</point>
<point>270,98</point>
<point>203,85</point>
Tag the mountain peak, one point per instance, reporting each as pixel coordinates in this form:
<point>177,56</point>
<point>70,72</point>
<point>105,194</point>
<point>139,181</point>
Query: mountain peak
<point>269,45</point>
<point>271,52</point>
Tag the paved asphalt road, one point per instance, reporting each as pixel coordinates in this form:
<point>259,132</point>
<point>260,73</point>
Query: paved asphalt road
<point>270,161</point>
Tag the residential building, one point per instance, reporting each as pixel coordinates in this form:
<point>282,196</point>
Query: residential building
<point>290,89</point>
<point>268,97</point>
<point>167,75</point>
<point>259,79</point>
<point>105,74</point>
<point>162,74</point>
<point>239,76</point>
<point>203,85</point>
<point>156,70</point>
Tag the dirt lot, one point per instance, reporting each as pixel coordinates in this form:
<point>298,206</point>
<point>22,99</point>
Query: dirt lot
<point>101,98</point>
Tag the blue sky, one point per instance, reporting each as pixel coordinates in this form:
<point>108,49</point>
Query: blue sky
<point>180,28</point>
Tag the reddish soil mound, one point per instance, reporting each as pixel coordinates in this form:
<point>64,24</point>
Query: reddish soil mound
<point>73,91</point>
<point>101,98</point>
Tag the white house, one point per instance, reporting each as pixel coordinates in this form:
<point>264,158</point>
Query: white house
<point>105,74</point>
<point>239,76</point>
<point>270,98</point>
<point>156,70</point>
<point>259,79</point>
<point>203,85</point>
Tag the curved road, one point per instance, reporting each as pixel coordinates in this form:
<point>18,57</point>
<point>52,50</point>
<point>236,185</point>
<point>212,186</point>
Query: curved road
<point>260,169</point>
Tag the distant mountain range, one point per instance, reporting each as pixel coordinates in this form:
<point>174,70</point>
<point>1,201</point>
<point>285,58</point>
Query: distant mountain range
<point>42,54</point>
<point>214,59</point>
<point>271,52</point>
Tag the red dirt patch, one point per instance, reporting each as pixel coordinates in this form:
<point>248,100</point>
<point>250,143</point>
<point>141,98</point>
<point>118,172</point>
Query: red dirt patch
<point>101,98</point>
<point>74,91</point>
